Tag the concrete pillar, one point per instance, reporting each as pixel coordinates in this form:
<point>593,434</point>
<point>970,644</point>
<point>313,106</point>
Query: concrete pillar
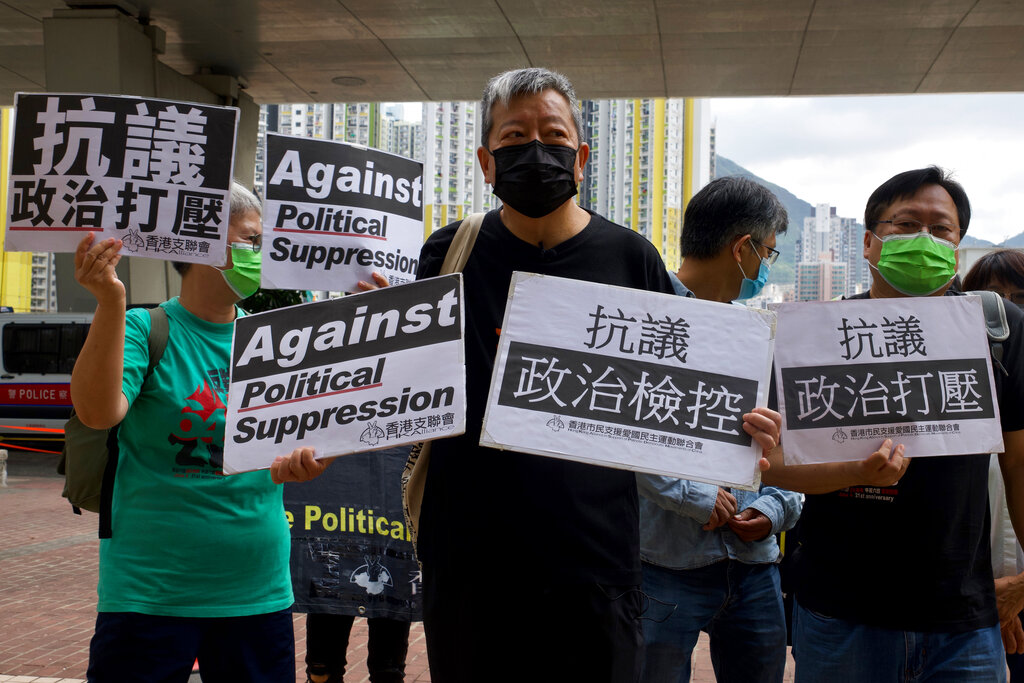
<point>105,51</point>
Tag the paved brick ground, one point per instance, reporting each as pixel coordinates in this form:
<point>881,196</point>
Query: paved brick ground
<point>48,559</point>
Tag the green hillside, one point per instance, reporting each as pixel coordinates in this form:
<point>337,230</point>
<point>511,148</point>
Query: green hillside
<point>784,270</point>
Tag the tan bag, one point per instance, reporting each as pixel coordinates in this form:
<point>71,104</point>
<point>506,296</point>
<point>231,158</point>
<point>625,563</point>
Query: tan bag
<point>414,476</point>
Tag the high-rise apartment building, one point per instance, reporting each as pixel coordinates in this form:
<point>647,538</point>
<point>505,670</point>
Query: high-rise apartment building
<point>27,280</point>
<point>829,255</point>
<point>647,158</point>
<point>453,184</point>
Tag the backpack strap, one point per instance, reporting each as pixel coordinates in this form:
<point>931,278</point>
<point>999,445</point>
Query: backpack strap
<point>996,327</point>
<point>156,343</point>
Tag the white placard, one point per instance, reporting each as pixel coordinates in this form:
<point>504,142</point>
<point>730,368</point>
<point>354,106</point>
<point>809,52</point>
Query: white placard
<point>914,369</point>
<point>364,372</point>
<point>155,174</point>
<point>337,212</point>
<point>629,379</point>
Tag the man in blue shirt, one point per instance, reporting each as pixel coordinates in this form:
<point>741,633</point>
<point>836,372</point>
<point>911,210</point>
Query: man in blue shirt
<point>709,551</point>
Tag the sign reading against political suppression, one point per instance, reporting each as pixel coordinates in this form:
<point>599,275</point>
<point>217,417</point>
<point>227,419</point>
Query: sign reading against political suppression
<point>915,370</point>
<point>336,212</point>
<point>364,372</point>
<point>628,379</point>
<point>351,550</point>
<point>155,174</point>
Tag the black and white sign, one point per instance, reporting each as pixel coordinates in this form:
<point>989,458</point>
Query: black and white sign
<point>351,550</point>
<point>629,379</point>
<point>153,173</point>
<point>854,373</point>
<point>364,372</point>
<point>336,212</point>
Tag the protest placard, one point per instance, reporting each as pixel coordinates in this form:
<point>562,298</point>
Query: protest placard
<point>912,369</point>
<point>629,379</point>
<point>351,550</point>
<point>336,212</point>
<point>364,372</point>
<point>155,174</point>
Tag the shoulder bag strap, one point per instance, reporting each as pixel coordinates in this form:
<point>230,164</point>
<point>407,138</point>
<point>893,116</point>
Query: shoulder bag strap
<point>462,244</point>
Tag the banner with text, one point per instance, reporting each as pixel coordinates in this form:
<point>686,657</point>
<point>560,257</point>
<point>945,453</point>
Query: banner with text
<point>364,372</point>
<point>351,550</point>
<point>629,379</point>
<point>336,212</point>
<point>153,173</point>
<point>916,370</point>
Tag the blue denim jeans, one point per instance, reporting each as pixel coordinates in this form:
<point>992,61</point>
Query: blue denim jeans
<point>738,605</point>
<point>838,651</point>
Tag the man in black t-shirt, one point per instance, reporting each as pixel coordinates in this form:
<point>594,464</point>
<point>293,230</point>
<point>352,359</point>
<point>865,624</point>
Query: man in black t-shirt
<point>899,587</point>
<point>531,565</point>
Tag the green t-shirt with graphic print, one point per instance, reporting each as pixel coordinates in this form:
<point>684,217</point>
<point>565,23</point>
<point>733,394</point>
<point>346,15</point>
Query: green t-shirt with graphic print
<point>187,540</point>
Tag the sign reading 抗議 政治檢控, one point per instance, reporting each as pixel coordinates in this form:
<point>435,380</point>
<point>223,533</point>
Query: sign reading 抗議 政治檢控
<point>155,174</point>
<point>360,373</point>
<point>916,370</point>
<point>629,379</point>
<point>337,212</point>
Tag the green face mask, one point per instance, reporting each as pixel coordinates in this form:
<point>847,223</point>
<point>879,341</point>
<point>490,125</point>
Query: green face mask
<point>244,274</point>
<point>916,265</point>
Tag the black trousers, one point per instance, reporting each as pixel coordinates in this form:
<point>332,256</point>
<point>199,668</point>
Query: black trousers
<point>483,627</point>
<point>327,642</point>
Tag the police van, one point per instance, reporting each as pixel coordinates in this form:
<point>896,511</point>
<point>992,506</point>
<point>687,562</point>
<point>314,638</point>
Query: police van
<point>37,353</point>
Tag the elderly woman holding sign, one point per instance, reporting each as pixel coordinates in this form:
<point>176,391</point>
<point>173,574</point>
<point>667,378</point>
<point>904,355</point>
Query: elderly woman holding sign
<point>196,563</point>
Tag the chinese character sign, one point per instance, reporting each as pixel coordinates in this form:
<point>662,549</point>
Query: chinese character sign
<point>629,379</point>
<point>336,212</point>
<point>360,373</point>
<point>854,373</point>
<point>153,173</point>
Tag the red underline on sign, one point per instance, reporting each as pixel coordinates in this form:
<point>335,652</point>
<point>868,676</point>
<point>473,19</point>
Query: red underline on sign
<point>307,398</point>
<point>53,228</point>
<point>332,233</point>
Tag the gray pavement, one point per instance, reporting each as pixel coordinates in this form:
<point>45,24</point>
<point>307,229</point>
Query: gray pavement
<point>48,571</point>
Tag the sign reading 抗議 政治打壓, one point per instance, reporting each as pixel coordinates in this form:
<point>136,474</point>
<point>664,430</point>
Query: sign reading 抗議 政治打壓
<point>364,372</point>
<point>155,174</point>
<point>337,212</point>
<point>916,370</point>
<point>629,379</point>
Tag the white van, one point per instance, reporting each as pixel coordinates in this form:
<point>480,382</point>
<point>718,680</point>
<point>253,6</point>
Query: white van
<point>37,353</point>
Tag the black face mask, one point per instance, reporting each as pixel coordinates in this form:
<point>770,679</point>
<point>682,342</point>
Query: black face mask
<point>534,178</point>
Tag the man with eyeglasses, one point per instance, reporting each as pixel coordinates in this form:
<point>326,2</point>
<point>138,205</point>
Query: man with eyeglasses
<point>708,551</point>
<point>899,587</point>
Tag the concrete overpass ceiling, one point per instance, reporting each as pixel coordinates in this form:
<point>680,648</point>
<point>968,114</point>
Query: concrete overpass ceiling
<point>401,50</point>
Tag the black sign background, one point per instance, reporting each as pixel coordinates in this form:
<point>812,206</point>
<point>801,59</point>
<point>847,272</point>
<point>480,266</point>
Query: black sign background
<point>885,373</point>
<point>628,370</point>
<point>319,151</point>
<point>323,562</point>
<point>400,298</point>
<point>219,131</point>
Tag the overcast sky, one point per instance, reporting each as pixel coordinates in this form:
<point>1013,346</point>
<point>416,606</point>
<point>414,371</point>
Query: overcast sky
<point>837,150</point>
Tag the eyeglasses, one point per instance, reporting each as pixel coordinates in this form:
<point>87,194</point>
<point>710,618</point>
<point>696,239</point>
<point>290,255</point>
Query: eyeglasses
<point>908,226</point>
<point>773,254</point>
<point>1016,297</point>
<point>256,240</point>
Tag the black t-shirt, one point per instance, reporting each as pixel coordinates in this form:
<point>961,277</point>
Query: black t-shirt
<point>914,556</point>
<point>516,516</point>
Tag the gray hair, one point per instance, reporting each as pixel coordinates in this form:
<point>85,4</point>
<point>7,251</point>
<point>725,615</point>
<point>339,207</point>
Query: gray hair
<point>243,201</point>
<point>727,208</point>
<point>517,82</point>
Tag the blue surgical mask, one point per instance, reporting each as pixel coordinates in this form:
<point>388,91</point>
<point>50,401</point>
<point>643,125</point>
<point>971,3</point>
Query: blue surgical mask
<point>751,288</point>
